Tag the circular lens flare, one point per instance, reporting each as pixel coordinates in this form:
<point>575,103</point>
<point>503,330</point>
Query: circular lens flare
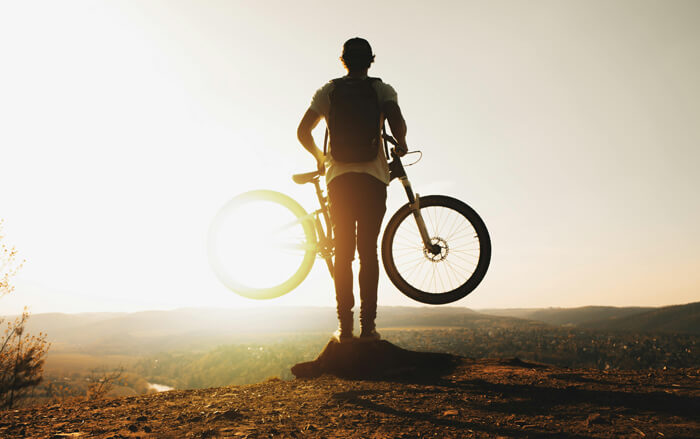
<point>257,245</point>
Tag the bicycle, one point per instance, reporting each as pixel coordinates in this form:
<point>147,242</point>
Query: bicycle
<point>439,257</point>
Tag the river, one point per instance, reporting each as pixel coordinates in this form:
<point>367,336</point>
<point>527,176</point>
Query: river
<point>159,387</point>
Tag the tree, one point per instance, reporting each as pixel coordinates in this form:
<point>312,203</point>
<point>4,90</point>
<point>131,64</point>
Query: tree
<point>21,355</point>
<point>102,381</point>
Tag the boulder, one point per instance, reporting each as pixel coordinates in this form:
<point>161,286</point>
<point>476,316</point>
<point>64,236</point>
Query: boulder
<point>375,360</point>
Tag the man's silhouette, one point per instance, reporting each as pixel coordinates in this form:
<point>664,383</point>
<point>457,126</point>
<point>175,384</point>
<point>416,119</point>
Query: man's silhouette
<point>354,108</point>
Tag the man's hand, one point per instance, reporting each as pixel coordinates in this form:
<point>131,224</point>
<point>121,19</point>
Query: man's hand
<point>321,163</point>
<point>401,149</point>
<point>398,127</point>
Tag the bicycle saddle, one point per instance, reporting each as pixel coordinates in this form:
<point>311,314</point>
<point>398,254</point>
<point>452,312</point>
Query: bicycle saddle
<point>306,177</point>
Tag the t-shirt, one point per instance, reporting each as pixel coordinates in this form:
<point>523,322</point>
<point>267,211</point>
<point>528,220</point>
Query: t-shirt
<point>377,168</point>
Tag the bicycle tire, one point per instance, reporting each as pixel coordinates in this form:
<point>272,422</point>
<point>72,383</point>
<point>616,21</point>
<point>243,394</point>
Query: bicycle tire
<point>304,245</point>
<point>465,221</point>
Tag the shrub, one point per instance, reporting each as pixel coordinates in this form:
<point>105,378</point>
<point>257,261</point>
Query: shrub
<point>21,355</point>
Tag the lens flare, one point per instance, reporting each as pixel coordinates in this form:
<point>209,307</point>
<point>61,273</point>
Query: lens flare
<point>261,244</point>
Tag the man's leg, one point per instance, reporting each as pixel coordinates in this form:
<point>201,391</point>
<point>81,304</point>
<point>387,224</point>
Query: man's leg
<point>343,218</point>
<point>368,226</point>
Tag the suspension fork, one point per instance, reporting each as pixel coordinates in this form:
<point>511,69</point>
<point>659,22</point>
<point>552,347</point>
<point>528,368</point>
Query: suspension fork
<point>414,205</point>
<point>397,170</point>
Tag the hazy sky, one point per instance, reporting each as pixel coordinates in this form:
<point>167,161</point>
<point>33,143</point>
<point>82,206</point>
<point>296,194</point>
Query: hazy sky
<point>572,127</point>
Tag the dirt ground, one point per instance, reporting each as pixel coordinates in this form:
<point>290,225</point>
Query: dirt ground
<point>479,398</point>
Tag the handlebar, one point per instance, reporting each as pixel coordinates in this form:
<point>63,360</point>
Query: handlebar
<point>396,168</point>
<point>393,141</point>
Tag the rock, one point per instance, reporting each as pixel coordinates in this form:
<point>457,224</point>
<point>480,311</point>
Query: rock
<point>309,369</point>
<point>375,360</point>
<point>596,418</point>
<point>231,414</point>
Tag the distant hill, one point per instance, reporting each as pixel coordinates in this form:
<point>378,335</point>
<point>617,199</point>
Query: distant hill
<point>197,328</point>
<point>192,328</point>
<point>568,316</point>
<point>684,319</point>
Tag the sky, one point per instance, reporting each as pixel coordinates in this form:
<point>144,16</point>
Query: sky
<point>572,127</point>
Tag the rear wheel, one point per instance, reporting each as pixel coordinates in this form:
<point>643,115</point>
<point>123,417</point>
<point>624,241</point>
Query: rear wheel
<point>262,244</point>
<point>456,263</point>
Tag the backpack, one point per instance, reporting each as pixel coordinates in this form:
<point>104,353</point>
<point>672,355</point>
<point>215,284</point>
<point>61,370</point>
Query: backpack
<point>354,120</point>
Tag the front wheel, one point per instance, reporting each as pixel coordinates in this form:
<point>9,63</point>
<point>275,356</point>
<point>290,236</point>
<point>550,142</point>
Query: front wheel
<point>262,244</point>
<point>456,263</point>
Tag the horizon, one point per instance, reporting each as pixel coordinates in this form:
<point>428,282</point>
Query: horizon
<point>571,128</point>
<point>413,307</point>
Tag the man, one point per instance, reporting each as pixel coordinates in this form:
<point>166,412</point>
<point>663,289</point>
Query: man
<point>354,108</point>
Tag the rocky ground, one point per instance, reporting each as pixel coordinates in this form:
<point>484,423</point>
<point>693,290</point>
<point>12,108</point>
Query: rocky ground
<point>475,398</point>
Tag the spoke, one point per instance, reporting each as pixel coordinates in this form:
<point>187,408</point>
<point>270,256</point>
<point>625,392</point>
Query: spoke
<point>463,259</point>
<point>437,268</point>
<point>433,221</point>
<point>422,273</point>
<point>460,249</point>
<point>413,267</point>
<point>404,252</point>
<point>465,254</point>
<point>415,272</point>
<point>406,247</point>
<point>454,226</point>
<point>461,272</point>
<point>450,275</point>
<point>455,272</point>
<point>426,269</point>
<point>439,221</point>
<point>463,234</point>
<point>412,261</point>
<point>407,242</point>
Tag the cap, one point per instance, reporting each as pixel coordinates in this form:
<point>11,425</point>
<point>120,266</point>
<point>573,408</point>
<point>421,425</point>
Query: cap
<point>357,48</point>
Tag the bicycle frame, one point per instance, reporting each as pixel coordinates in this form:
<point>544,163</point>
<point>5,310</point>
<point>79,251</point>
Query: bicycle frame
<point>324,226</point>
<point>310,235</point>
<point>324,230</point>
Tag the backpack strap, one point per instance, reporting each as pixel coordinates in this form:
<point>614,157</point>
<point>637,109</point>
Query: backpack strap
<point>386,147</point>
<point>325,141</point>
<point>325,136</point>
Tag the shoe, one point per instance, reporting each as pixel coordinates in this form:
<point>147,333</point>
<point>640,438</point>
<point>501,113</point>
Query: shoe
<point>370,335</point>
<point>342,336</point>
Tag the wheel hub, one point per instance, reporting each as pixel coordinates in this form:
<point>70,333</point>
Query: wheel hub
<point>439,250</point>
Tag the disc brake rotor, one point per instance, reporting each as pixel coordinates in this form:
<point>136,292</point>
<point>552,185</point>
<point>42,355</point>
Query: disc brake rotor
<point>434,256</point>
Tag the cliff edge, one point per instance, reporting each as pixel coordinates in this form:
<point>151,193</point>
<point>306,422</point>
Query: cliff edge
<point>410,398</point>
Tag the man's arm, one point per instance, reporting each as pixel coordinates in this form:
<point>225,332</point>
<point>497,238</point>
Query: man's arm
<point>397,125</point>
<point>307,124</point>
